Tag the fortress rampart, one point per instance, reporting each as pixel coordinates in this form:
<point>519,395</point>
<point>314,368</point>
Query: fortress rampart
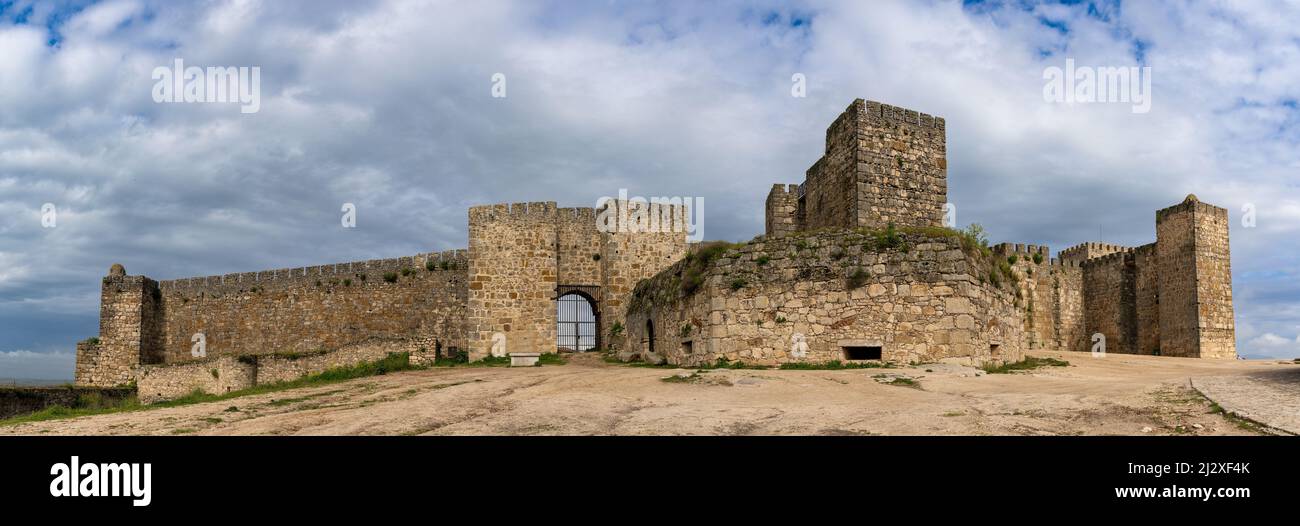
<point>854,263</point>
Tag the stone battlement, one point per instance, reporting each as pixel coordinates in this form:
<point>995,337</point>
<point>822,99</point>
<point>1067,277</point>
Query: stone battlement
<point>1089,250</point>
<point>1191,203</point>
<point>373,268</point>
<point>1007,249</point>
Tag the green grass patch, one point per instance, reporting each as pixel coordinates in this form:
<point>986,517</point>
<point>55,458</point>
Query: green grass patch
<point>1029,363</point>
<point>834,365</point>
<point>1241,423</point>
<point>678,379</point>
<point>724,363</point>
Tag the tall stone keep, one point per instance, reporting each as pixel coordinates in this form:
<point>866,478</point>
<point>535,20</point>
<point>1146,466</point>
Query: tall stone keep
<point>883,164</point>
<point>1195,281</point>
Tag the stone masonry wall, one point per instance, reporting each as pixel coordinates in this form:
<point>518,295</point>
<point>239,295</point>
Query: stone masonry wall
<point>520,253</point>
<point>129,331</point>
<point>223,374</point>
<point>314,308</point>
<point>630,257</point>
<point>1032,266</point>
<point>883,164</point>
<point>906,177</point>
<point>1085,251</point>
<point>1147,298</point>
<point>1217,324</point>
<point>920,303</point>
<point>1196,315</point>
<point>1067,294</point>
<point>1109,302</point>
<point>782,210</point>
<point>512,277</point>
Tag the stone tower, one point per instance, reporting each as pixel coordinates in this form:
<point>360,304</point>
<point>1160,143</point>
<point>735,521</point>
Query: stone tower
<point>1195,281</point>
<point>883,164</point>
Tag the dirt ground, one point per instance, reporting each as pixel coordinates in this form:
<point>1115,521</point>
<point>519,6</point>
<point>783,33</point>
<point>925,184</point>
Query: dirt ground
<point>1124,395</point>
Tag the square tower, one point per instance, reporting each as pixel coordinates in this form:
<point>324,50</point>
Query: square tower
<point>1195,281</point>
<point>883,164</point>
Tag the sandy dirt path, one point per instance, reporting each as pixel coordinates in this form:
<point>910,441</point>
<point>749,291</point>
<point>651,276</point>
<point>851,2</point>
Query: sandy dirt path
<point>1127,395</point>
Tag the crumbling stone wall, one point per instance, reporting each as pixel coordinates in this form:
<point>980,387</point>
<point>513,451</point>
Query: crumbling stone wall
<point>224,374</point>
<point>16,401</point>
<point>920,302</point>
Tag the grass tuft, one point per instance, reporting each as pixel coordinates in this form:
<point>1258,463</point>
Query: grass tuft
<point>1028,363</point>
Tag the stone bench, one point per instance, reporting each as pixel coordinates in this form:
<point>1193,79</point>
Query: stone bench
<point>524,359</point>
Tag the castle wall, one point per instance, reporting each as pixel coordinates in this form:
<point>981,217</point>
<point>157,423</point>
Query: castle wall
<point>782,210</point>
<point>1067,295</point>
<point>312,308</point>
<point>1032,267</point>
<point>579,247</point>
<point>224,374</point>
<point>1147,299</point>
<point>920,304</point>
<point>1084,251</point>
<point>1109,285</point>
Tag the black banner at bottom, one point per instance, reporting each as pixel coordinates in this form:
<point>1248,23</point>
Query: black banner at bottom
<point>142,476</point>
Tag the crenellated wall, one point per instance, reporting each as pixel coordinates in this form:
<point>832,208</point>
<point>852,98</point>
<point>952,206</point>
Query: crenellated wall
<point>296,310</point>
<point>882,164</point>
<point>321,307</point>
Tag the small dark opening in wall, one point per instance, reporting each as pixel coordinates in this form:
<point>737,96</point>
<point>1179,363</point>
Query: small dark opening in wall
<point>688,347</point>
<point>995,350</point>
<point>862,353</point>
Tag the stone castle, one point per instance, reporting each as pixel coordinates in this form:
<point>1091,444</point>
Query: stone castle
<point>855,264</point>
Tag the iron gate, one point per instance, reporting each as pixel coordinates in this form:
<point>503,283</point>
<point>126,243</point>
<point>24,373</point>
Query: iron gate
<point>577,324</point>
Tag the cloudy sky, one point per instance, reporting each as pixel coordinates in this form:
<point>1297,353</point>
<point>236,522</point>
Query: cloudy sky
<point>389,105</point>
